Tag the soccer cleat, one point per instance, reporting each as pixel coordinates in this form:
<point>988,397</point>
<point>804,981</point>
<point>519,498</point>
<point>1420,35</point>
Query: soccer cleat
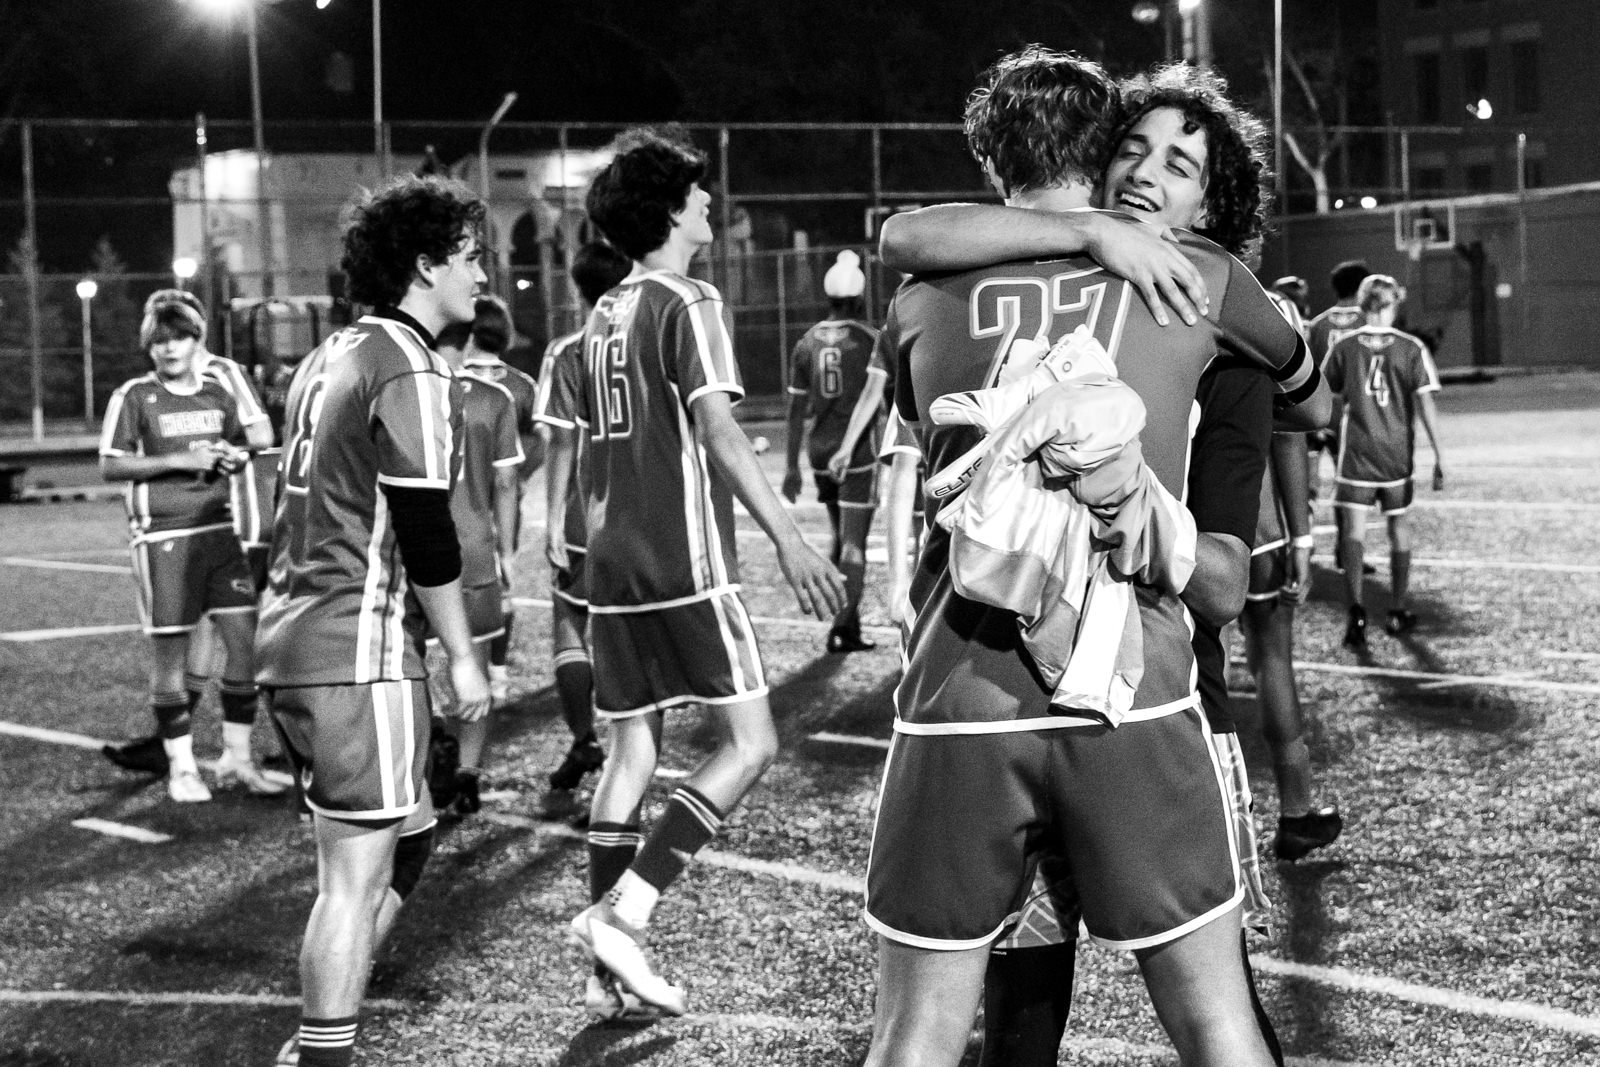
<point>559,805</point>
<point>289,1054</point>
<point>607,999</point>
<point>617,945</point>
<point>1355,631</point>
<point>1400,621</point>
<point>1300,834</point>
<point>584,756</point>
<point>232,771</point>
<point>845,641</point>
<point>144,756</point>
<point>467,801</point>
<point>186,787</point>
<point>444,760</point>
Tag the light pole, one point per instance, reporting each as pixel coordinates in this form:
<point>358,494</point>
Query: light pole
<point>483,169</point>
<point>86,291</point>
<point>184,268</point>
<point>380,140</point>
<point>1196,32</point>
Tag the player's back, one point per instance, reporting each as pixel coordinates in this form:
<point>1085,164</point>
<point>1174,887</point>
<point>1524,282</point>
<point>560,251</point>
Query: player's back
<point>660,523</point>
<point>830,367</point>
<point>561,377</point>
<point>959,331</point>
<point>489,441</point>
<point>523,388</point>
<point>1378,372</point>
<point>1325,328</point>
<point>372,406</point>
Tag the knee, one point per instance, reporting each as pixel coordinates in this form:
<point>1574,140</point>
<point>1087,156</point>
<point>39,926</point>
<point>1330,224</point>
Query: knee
<point>755,750</point>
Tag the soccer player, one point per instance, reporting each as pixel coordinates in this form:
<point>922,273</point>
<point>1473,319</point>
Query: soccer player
<point>667,625</point>
<point>1321,331</point>
<point>1385,380</point>
<point>974,719</point>
<point>827,372</point>
<point>169,434</point>
<point>484,505</point>
<point>487,342</point>
<point>597,268</point>
<point>364,554</point>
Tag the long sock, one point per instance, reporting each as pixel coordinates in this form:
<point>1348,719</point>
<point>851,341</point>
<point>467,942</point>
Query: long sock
<point>612,847</point>
<point>855,573</point>
<point>1027,993</point>
<point>1352,554</point>
<point>575,686</point>
<point>180,753</point>
<point>1400,577</point>
<point>689,822</point>
<point>172,711</point>
<point>500,647</point>
<point>327,1042</point>
<point>194,686</point>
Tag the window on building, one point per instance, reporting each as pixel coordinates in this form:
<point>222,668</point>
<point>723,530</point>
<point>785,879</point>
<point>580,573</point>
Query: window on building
<point>1475,73</point>
<point>1428,180</point>
<point>1427,77</point>
<point>1480,177</point>
<point>1525,77</point>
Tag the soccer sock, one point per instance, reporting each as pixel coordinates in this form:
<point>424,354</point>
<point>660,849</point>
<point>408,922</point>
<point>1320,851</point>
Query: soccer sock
<point>1352,554</point>
<point>575,686</point>
<point>500,647</point>
<point>855,575</point>
<point>689,822</point>
<point>327,1042</point>
<point>1400,577</point>
<point>239,701</point>
<point>180,754</point>
<point>172,714</point>
<point>195,686</point>
<point>612,847</point>
<point>1027,993</point>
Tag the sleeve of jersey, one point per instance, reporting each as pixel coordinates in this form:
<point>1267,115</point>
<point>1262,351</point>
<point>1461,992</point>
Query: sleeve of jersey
<point>1252,327</point>
<point>119,433</point>
<point>1427,372</point>
<point>1333,368</point>
<point>882,361</point>
<point>414,431</point>
<point>243,391</point>
<point>560,389</point>
<point>900,378</point>
<point>800,369</point>
<point>1230,450</point>
<point>704,347</point>
<point>508,442</point>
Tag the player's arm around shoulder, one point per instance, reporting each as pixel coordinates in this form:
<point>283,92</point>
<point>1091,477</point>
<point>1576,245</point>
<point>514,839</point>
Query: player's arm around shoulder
<point>817,584</point>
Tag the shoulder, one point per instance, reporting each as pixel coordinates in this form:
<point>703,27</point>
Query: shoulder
<point>673,288</point>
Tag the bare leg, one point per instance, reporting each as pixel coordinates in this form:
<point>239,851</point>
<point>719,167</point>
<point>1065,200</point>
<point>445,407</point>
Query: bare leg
<point>1400,560</point>
<point>1268,627</point>
<point>926,1004</point>
<point>1201,993</point>
<point>747,744</point>
<point>1352,523</point>
<point>355,864</point>
<point>635,744</point>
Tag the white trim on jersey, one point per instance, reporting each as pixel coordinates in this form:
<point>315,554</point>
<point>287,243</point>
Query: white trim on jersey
<point>1058,721</point>
<point>634,609</point>
<point>679,701</point>
<point>364,674</point>
<point>426,365</point>
<point>142,538</point>
<point>231,376</point>
<point>688,291</point>
<point>735,391</point>
<point>521,456</point>
<point>113,416</point>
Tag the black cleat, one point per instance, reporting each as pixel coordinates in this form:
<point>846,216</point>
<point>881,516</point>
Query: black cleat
<point>1400,621</point>
<point>145,756</point>
<point>843,641</point>
<point>444,760</point>
<point>467,802</point>
<point>1355,631</point>
<point>584,756</point>
<point>1300,834</point>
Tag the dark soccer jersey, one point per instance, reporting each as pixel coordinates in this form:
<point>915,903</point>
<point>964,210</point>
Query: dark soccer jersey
<point>1378,372</point>
<point>561,378</point>
<point>232,377</point>
<point>524,390</point>
<point>829,367</point>
<point>148,418</point>
<point>373,406</point>
<point>660,523</point>
<point>489,442</point>
<point>1324,329</point>
<point>967,670</point>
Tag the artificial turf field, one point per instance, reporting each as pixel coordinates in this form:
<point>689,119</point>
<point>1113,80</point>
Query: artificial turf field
<point>1454,923</point>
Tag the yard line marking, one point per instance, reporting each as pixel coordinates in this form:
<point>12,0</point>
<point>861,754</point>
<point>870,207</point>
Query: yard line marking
<point>765,620</point>
<point>182,1000</point>
<point>1505,681</point>
<point>117,829</point>
<point>71,631</point>
<point>54,737</point>
<point>64,565</point>
<point>1584,657</point>
<point>1382,562</point>
<point>850,739</point>
<point>1452,683</point>
<point>671,774</point>
<point>1465,1003</point>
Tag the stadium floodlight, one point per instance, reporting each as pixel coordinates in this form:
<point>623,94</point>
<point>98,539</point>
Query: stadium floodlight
<point>1481,110</point>
<point>1146,12</point>
<point>1369,202</point>
<point>87,289</point>
<point>1188,7</point>
<point>184,268</point>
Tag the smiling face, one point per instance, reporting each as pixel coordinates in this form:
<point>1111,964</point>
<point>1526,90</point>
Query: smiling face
<point>694,220</point>
<point>1158,172</point>
<point>458,281</point>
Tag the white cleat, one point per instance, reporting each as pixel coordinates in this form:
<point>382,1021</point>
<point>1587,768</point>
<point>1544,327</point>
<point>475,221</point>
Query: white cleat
<point>187,787</point>
<point>617,945</point>
<point>289,1054</point>
<point>606,999</point>
<point>233,772</point>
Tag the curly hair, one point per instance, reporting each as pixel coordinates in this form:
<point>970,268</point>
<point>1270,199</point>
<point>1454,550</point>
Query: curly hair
<point>1237,180</point>
<point>632,200</point>
<point>410,217</point>
<point>1042,118</point>
<point>596,269</point>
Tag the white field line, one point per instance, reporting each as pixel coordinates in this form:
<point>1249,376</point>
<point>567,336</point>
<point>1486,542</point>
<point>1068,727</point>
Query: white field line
<point>1582,657</point>
<point>71,631</point>
<point>1520,676</point>
<point>53,737</point>
<point>64,565</point>
<point>765,620</point>
<point>851,739</point>
<point>1505,681</point>
<point>117,829</point>
<point>182,1000</point>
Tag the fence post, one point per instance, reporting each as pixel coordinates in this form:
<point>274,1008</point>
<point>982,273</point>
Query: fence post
<point>30,269</point>
<point>783,325</point>
<point>726,281</point>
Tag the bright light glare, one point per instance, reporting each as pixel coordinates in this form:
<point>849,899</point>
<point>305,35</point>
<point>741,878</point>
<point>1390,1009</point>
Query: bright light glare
<point>323,3</point>
<point>523,283</point>
<point>221,7</point>
<point>1369,202</point>
<point>1146,12</point>
<point>1187,6</point>
<point>1482,109</point>
<point>184,267</point>
<point>1339,203</point>
<point>87,288</point>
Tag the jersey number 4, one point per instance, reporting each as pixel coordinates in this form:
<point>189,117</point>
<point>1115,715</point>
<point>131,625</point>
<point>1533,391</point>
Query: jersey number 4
<point>1044,310</point>
<point>1377,384</point>
<point>613,393</point>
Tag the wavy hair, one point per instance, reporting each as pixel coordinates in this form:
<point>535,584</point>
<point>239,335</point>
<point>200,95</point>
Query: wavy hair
<point>1042,118</point>
<point>633,198</point>
<point>410,217</point>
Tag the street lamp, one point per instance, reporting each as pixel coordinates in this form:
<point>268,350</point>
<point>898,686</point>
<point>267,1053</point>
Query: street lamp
<point>86,291</point>
<point>184,268</point>
<point>380,142</point>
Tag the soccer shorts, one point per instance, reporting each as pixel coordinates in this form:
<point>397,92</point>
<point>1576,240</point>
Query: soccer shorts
<point>1140,814</point>
<point>257,558</point>
<point>568,583</point>
<point>1392,498</point>
<point>703,652</point>
<point>183,575</point>
<point>361,751</point>
<point>858,490</point>
<point>1269,572</point>
<point>486,610</point>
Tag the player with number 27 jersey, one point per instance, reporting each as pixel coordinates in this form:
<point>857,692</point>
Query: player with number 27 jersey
<point>660,525</point>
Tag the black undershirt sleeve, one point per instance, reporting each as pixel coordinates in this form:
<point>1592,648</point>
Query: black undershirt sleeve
<point>426,533</point>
